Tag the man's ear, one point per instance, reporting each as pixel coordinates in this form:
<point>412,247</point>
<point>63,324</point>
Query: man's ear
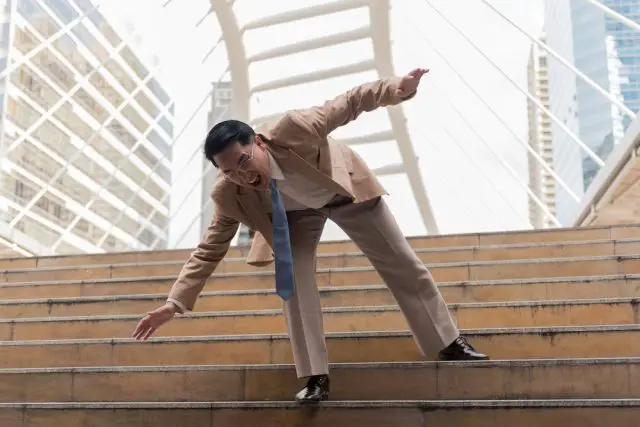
<point>260,141</point>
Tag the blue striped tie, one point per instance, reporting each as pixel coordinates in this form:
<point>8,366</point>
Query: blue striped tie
<point>281,245</point>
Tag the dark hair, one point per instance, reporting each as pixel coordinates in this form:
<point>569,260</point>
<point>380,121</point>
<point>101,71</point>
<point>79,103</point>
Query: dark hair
<point>224,134</point>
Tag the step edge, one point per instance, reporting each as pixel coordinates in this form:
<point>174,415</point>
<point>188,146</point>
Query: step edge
<point>543,331</point>
<point>423,405</point>
<point>338,254</point>
<point>426,364</point>
<point>369,268</point>
<point>542,304</point>
<point>330,288</point>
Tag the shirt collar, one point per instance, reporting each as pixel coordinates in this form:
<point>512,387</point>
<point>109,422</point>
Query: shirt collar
<point>276,171</point>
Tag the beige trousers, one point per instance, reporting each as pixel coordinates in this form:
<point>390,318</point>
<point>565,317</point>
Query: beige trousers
<point>375,231</point>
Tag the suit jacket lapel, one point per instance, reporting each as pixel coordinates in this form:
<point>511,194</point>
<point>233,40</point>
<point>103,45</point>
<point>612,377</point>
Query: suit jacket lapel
<point>257,210</point>
<point>288,159</point>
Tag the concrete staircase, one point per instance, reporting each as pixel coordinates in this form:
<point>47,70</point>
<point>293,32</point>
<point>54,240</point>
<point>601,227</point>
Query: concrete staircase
<point>556,310</point>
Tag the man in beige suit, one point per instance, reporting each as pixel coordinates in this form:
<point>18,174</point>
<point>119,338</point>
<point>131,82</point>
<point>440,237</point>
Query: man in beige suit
<point>295,162</point>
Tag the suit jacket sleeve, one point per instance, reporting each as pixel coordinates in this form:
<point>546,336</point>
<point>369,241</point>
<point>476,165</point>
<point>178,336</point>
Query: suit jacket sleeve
<point>324,119</point>
<point>204,260</point>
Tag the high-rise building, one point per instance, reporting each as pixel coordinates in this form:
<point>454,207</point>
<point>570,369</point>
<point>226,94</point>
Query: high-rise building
<point>86,134</point>
<point>221,109</point>
<point>541,182</point>
<point>606,51</point>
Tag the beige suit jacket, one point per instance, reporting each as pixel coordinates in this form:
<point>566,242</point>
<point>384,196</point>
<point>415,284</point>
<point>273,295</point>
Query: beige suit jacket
<point>299,142</point>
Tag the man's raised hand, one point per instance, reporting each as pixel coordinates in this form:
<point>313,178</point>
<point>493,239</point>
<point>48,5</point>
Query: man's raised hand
<point>409,83</point>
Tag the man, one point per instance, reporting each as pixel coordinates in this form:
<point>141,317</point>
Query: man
<point>283,181</point>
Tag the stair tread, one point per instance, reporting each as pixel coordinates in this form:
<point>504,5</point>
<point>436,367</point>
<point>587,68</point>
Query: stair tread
<point>600,361</point>
<point>543,330</point>
<point>339,309</point>
<point>346,288</point>
<point>340,269</point>
<point>356,253</point>
<point>426,404</point>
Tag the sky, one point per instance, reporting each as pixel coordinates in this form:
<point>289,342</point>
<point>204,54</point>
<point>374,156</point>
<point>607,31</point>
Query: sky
<point>454,133</point>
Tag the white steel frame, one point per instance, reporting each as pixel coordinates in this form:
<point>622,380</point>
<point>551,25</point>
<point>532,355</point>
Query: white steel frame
<point>378,33</point>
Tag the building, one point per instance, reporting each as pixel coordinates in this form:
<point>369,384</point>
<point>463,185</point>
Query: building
<point>541,182</point>
<point>606,51</point>
<point>221,109</point>
<point>86,135</point>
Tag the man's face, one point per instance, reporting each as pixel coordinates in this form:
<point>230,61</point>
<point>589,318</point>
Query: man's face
<point>246,165</point>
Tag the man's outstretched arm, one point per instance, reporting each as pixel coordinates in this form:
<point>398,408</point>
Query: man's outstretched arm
<point>324,119</point>
<point>200,265</point>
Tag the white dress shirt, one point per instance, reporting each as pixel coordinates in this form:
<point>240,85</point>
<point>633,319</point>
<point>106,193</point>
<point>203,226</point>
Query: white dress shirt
<point>298,192</point>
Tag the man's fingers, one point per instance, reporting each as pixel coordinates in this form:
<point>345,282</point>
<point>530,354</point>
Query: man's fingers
<point>138,329</point>
<point>150,331</point>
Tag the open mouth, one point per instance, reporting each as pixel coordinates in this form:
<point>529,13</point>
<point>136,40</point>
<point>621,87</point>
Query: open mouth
<point>255,182</point>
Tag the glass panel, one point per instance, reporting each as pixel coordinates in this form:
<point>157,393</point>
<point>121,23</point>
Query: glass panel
<point>121,133</point>
<point>147,237</point>
<point>38,17</point>
<point>25,40</point>
<point>157,90</point>
<point>134,118</point>
<point>71,120</point>
<point>55,69</point>
<point>21,113</point>
<point>160,143</point>
<point>160,220</point>
<point>110,213</point>
<point>166,125</point>
<point>114,244</point>
<point>65,248</point>
<point>88,231</point>
<point>91,43</point>
<point>35,87</point>
<point>134,63</point>
<point>89,103</point>
<point>63,10</point>
<point>36,230</point>
<point>121,75</point>
<point>34,160</point>
<point>153,162</point>
<point>106,89</point>
<point>146,103</point>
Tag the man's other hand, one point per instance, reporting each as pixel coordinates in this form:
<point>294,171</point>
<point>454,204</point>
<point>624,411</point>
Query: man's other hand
<point>153,320</point>
<point>409,83</point>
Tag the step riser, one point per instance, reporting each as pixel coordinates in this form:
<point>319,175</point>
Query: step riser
<point>352,417</point>
<point>328,260</point>
<point>466,318</point>
<point>540,236</point>
<point>362,350</point>
<point>441,273</point>
<point>425,383</point>
<point>452,294</point>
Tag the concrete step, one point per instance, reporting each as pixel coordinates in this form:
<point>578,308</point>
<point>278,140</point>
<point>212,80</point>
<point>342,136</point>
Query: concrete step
<point>504,380</point>
<point>500,343</point>
<point>467,413</point>
<point>354,259</point>
<point>615,286</point>
<point>433,257</point>
<point>457,291</point>
<point>444,272</point>
<point>440,241</point>
<point>618,311</point>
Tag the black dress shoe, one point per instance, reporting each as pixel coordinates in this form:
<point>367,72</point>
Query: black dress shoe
<point>317,389</point>
<point>460,349</point>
